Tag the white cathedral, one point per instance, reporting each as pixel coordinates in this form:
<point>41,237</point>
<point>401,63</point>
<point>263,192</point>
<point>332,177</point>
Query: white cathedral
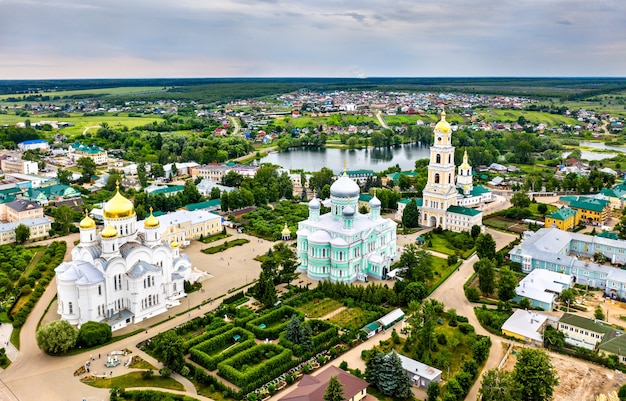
<point>445,196</point>
<point>120,275</point>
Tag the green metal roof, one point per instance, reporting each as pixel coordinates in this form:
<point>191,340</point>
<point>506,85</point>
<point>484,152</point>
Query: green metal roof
<point>418,201</point>
<point>464,210</point>
<point>169,190</point>
<point>615,345</point>
<point>586,323</point>
<point>204,205</point>
<point>365,197</point>
<point>479,190</point>
<point>608,234</point>
<point>360,172</point>
<point>596,205</point>
<point>563,214</point>
<point>395,176</point>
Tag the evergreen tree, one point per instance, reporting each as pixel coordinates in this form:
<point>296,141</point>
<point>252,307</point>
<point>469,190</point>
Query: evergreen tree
<point>410,216</point>
<point>393,380</point>
<point>334,391</point>
<point>294,331</point>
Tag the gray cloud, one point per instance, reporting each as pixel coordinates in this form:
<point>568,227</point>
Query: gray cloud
<point>110,38</point>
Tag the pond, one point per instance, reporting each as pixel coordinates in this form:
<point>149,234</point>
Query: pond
<point>313,159</point>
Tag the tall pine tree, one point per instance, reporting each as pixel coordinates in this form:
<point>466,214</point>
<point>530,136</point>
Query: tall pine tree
<point>334,391</point>
<point>410,216</point>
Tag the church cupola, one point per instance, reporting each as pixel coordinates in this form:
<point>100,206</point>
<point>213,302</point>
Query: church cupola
<point>314,209</point>
<point>152,227</point>
<point>464,177</point>
<point>110,245</point>
<point>175,247</point>
<point>87,228</point>
<point>374,207</point>
<point>348,213</point>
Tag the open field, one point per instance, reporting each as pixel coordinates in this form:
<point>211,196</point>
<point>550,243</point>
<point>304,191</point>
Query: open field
<point>319,307</point>
<point>125,90</point>
<point>535,117</point>
<point>81,122</point>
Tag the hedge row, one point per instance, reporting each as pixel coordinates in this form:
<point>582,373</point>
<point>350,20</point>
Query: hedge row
<point>233,298</point>
<point>282,313</point>
<point>206,336</point>
<point>201,353</point>
<point>262,371</point>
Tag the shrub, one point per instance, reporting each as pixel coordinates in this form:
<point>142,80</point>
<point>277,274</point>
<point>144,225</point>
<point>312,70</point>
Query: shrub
<point>472,294</point>
<point>165,372</point>
<point>466,328</point>
<point>94,333</point>
<point>147,374</point>
<point>441,339</point>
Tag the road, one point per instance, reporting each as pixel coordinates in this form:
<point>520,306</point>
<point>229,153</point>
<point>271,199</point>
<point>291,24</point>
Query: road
<point>382,122</point>
<point>236,126</point>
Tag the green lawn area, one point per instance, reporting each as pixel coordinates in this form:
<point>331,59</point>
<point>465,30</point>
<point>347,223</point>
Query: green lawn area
<point>123,90</point>
<point>225,245</point>
<point>440,244</point>
<point>535,117</point>
<point>442,271</point>
<point>134,379</point>
<point>353,318</point>
<point>498,222</point>
<point>533,209</point>
<point>81,122</point>
<point>320,307</point>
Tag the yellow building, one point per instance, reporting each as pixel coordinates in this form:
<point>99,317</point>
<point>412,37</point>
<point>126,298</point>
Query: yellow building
<point>183,226</point>
<point>592,210</point>
<point>563,219</point>
<point>21,209</point>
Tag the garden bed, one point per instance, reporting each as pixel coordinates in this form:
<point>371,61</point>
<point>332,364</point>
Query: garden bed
<point>225,245</point>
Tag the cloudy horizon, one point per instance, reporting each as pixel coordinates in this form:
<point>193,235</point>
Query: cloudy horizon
<point>323,38</point>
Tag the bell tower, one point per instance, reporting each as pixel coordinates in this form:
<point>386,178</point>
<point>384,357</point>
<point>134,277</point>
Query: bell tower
<point>440,192</point>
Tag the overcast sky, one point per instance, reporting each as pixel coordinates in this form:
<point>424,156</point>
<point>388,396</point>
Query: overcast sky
<point>311,38</point>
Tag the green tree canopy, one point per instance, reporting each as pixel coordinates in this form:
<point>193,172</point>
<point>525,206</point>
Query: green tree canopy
<point>56,337</point>
<point>168,347</point>
<point>520,199</point>
<point>88,167</point>
<point>535,375</point>
<point>486,276</point>
<point>410,216</point>
<point>498,385</point>
<point>22,233</point>
<point>94,333</point>
<point>485,246</point>
<point>506,284</point>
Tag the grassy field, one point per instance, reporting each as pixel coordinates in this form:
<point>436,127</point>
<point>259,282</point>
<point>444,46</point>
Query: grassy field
<point>134,379</point>
<point>82,122</point>
<point>352,318</point>
<point>441,245</point>
<point>492,115</point>
<point>442,272</point>
<point>125,90</point>
<point>318,308</point>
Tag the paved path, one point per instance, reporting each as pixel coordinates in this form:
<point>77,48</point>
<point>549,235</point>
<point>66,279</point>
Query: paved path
<point>235,122</point>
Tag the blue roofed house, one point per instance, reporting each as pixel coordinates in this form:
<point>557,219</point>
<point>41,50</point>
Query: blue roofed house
<point>571,253</point>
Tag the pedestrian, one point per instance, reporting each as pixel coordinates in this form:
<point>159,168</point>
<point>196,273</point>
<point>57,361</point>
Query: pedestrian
<point>87,369</point>
<point>98,356</point>
<point>91,357</point>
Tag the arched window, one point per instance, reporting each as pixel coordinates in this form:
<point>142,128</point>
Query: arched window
<point>438,158</point>
<point>437,177</point>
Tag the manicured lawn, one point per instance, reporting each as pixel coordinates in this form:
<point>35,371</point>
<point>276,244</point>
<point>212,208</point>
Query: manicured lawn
<point>533,209</point>
<point>498,222</point>
<point>440,244</point>
<point>142,364</point>
<point>442,271</point>
<point>320,307</point>
<point>225,245</point>
<point>134,379</point>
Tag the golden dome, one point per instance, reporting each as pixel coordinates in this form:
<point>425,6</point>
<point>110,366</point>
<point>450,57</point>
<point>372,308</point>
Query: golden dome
<point>286,230</point>
<point>174,244</point>
<point>109,232</point>
<point>118,207</point>
<point>151,221</point>
<point>465,163</point>
<point>87,223</point>
<point>443,125</point>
